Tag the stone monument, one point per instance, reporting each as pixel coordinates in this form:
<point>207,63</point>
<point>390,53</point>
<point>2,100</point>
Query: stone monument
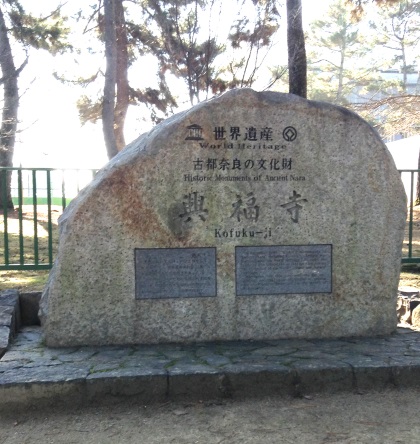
<point>250,216</point>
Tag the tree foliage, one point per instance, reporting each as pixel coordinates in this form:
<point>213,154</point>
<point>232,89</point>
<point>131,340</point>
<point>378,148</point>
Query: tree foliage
<point>248,39</point>
<point>398,29</point>
<point>396,110</point>
<point>358,6</point>
<point>173,34</point>
<point>336,45</point>
<point>392,114</point>
<point>343,68</point>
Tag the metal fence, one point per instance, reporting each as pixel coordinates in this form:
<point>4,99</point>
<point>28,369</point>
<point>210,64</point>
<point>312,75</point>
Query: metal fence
<point>28,237</point>
<point>409,179</point>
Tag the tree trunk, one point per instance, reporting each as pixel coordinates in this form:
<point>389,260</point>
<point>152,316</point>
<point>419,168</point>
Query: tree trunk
<point>9,114</point>
<point>116,91</point>
<point>339,95</point>
<point>296,49</point>
<point>404,67</point>
<point>108,107</point>
<point>417,201</point>
<point>122,76</point>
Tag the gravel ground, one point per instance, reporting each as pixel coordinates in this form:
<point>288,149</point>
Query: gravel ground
<point>382,417</point>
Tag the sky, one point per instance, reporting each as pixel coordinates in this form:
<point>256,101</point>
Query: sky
<point>50,132</point>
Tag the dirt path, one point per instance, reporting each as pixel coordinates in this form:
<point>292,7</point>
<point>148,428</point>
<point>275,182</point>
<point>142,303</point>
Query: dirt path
<point>386,417</point>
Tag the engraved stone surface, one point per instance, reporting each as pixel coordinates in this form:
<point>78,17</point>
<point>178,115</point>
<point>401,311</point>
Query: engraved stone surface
<point>175,273</point>
<point>285,269</point>
<point>246,169</point>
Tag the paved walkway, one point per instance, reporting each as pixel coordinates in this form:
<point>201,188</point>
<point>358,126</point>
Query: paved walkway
<point>32,373</point>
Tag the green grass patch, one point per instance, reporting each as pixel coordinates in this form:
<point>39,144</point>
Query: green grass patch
<point>24,280</point>
<point>58,201</point>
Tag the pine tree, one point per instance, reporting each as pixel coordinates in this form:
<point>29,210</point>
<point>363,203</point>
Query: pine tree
<point>19,28</point>
<point>181,38</point>
<point>338,66</point>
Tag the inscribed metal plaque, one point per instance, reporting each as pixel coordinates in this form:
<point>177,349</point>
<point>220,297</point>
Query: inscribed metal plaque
<point>285,269</point>
<point>175,273</point>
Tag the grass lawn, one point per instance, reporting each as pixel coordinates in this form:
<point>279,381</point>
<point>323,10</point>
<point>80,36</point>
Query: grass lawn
<point>24,280</point>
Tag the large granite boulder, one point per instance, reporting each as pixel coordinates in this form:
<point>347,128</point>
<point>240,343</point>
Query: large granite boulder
<point>250,216</point>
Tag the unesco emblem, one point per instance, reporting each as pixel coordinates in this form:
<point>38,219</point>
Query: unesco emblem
<point>195,132</point>
<point>289,134</point>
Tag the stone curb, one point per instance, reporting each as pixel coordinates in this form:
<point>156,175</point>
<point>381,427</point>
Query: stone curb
<point>16,310</point>
<point>10,319</point>
<point>31,373</point>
